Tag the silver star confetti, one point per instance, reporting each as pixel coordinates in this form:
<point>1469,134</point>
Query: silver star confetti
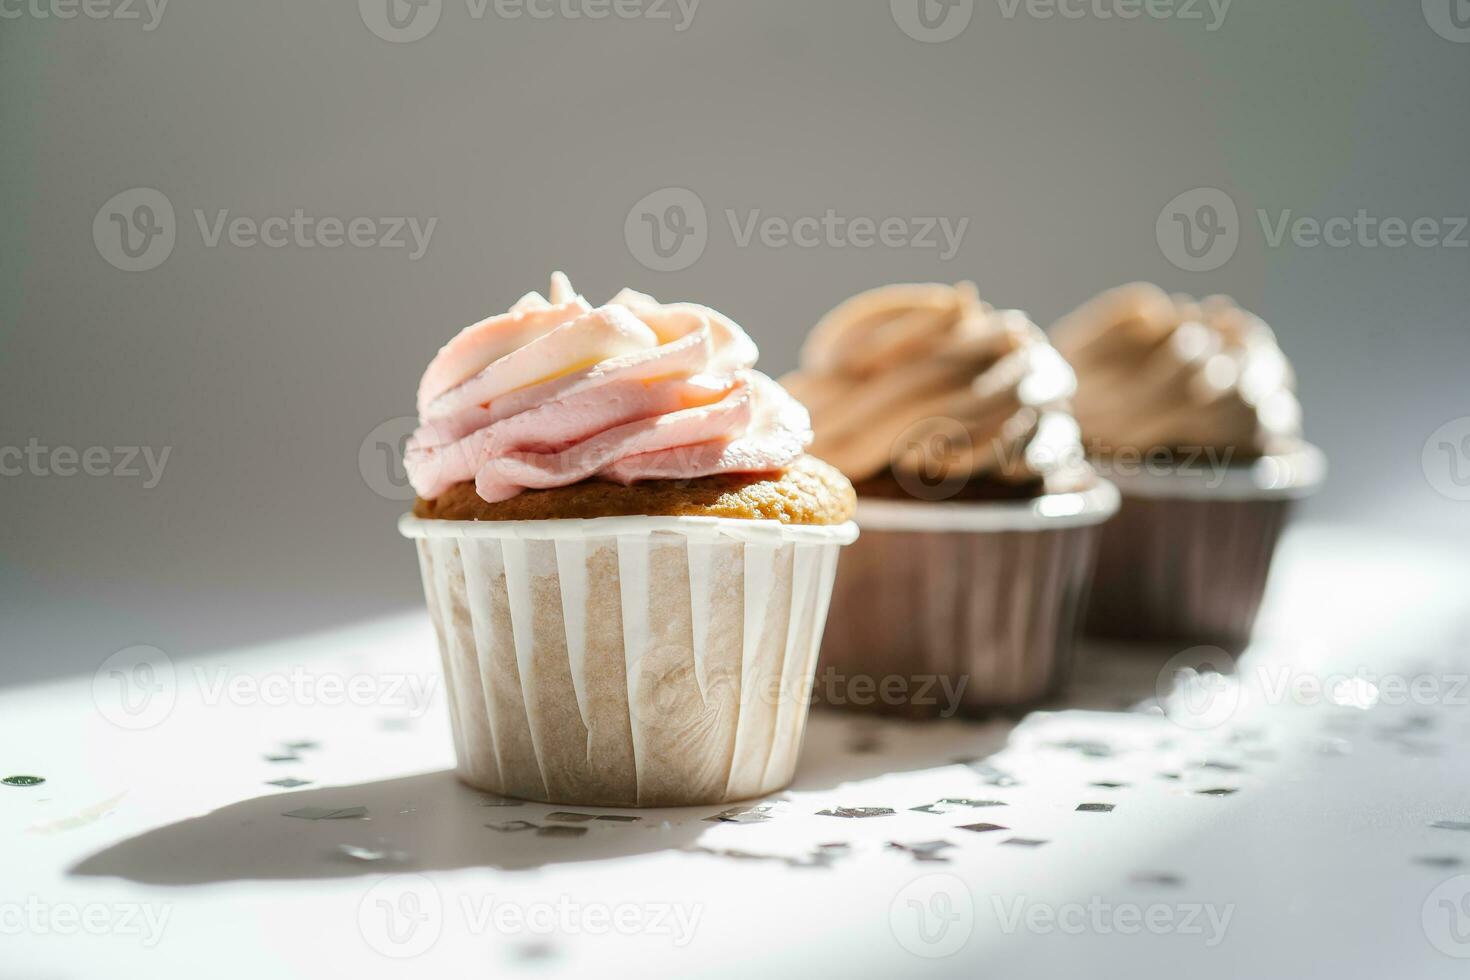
<point>328,813</point>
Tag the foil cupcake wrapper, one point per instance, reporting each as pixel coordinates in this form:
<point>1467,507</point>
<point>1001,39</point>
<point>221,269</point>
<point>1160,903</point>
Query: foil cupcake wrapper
<point>1191,571</point>
<point>628,661</point>
<point>934,622</point>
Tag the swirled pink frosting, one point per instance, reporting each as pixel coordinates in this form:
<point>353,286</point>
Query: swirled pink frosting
<point>554,392</point>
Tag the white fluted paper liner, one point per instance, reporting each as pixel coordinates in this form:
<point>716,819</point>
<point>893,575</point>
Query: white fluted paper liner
<point>628,661</point>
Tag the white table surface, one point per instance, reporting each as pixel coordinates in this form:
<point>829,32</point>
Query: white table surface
<point>161,851</point>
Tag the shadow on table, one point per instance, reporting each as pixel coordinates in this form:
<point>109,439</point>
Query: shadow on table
<point>436,821</point>
<point>440,824</point>
<point>846,746</point>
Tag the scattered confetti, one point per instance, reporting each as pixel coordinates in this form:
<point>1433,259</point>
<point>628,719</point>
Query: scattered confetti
<point>327,813</point>
<point>995,777</point>
<point>857,812</point>
<point>512,826</point>
<point>1439,861</point>
<point>1094,808</point>
<point>535,951</point>
<point>283,758</point>
<point>1105,785</point>
<point>983,828</point>
<point>950,804</point>
<point>1217,791</point>
<point>744,814</point>
<point>290,782</point>
<point>1451,825</point>
<point>1093,750</point>
<point>560,830</point>
<point>23,780</point>
<point>300,745</point>
<point>927,850</point>
<point>1410,747</point>
<point>1413,723</point>
<point>1023,841</point>
<point>1219,765</point>
<point>371,853</point>
<point>817,859</point>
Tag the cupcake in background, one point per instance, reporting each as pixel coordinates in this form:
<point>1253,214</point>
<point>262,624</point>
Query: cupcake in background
<point>978,510</point>
<point>1189,408</point>
<point>626,552</point>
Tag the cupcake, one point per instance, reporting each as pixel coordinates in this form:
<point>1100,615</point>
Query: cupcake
<point>1189,408</point>
<point>626,552</point>
<point>979,512</point>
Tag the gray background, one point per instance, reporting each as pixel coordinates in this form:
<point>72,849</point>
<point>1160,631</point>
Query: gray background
<point>531,139</point>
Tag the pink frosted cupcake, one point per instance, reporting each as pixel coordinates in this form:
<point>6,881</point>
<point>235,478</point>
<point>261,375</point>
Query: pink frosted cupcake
<point>979,513</point>
<point>626,552</point>
<point>1189,408</point>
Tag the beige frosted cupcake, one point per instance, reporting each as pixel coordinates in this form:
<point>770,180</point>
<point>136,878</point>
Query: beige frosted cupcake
<point>626,553</point>
<point>979,513</point>
<point>1189,408</point>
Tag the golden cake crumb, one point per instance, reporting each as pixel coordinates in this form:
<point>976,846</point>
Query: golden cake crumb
<point>807,492</point>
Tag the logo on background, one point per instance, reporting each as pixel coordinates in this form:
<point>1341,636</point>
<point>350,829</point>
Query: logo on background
<point>1197,689</point>
<point>401,916</point>
<point>1446,459</point>
<point>933,916</point>
<point>1449,18</point>
<point>932,21</point>
<point>380,459</point>
<point>135,688</point>
<point>667,231</point>
<point>1446,917</point>
<point>135,230</point>
<point>930,459</point>
<point>1199,230</point>
<point>400,21</point>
